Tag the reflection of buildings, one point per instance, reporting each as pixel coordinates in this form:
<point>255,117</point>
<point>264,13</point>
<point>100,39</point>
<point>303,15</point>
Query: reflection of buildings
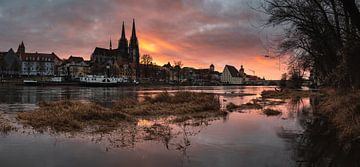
<point>122,61</point>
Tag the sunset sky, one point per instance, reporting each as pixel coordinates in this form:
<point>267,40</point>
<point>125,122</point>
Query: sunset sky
<point>196,32</point>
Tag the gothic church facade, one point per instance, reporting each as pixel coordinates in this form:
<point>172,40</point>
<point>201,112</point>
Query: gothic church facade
<point>122,61</point>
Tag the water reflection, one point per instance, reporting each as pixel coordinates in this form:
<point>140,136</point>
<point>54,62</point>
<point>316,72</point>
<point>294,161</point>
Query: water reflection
<point>317,144</point>
<point>237,139</point>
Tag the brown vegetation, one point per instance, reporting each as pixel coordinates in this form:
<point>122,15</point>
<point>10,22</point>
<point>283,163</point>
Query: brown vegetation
<point>286,94</point>
<point>5,126</point>
<point>271,112</point>
<point>71,116</point>
<point>247,106</point>
<point>343,110</point>
<point>167,104</point>
<point>75,116</point>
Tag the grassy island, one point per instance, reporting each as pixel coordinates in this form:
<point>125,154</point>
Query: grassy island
<point>67,116</point>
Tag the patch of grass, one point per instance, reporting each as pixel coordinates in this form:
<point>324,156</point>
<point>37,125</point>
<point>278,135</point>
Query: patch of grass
<point>268,102</point>
<point>343,111</point>
<point>71,116</point>
<point>286,94</point>
<point>5,126</point>
<point>174,104</point>
<point>247,106</point>
<point>271,112</point>
<point>67,116</point>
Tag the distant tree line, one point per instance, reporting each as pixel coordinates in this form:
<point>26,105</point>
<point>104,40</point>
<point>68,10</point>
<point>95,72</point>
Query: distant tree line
<point>323,36</point>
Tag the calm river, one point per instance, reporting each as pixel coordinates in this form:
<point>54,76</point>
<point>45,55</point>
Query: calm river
<point>239,139</point>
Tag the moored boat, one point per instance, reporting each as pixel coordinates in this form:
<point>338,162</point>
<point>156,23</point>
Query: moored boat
<point>30,82</point>
<point>99,81</point>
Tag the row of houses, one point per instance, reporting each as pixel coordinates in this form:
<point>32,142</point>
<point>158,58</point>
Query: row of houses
<point>179,75</point>
<point>22,63</point>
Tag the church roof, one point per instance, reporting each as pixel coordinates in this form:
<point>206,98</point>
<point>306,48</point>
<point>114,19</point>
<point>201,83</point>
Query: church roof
<point>233,71</point>
<point>103,51</point>
<point>75,59</point>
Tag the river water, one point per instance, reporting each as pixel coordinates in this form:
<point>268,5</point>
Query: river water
<point>240,139</point>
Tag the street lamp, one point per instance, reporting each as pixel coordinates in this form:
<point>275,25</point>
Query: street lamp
<point>108,70</point>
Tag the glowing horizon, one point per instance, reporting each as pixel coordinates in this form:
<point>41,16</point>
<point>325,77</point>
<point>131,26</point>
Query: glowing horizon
<point>197,33</point>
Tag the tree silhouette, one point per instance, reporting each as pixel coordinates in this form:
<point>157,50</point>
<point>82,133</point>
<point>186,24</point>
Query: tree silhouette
<point>322,36</point>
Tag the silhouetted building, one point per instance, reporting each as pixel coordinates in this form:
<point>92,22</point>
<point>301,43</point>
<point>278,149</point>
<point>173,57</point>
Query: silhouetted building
<point>9,63</point>
<point>122,61</point>
<point>74,67</point>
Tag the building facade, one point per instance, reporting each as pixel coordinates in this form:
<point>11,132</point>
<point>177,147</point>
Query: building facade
<point>74,67</point>
<point>232,76</point>
<point>37,64</point>
<point>28,64</point>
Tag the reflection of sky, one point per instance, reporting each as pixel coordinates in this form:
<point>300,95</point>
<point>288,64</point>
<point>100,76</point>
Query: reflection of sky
<point>197,32</point>
<point>241,139</point>
<point>25,98</point>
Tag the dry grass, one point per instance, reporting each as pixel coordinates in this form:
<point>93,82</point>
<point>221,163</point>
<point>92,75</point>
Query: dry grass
<point>286,94</point>
<point>271,112</point>
<point>247,106</point>
<point>66,116</point>
<point>172,104</point>
<point>5,126</point>
<point>71,116</point>
<point>343,110</point>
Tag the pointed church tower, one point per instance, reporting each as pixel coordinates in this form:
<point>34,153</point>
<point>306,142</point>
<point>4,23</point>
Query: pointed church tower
<point>21,48</point>
<point>123,42</point>
<point>110,46</point>
<point>134,49</point>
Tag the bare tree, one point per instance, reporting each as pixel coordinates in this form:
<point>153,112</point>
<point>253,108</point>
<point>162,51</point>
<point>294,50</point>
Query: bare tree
<point>146,59</point>
<point>322,36</point>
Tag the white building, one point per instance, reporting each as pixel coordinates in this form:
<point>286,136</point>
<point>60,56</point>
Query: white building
<point>38,64</point>
<point>232,76</point>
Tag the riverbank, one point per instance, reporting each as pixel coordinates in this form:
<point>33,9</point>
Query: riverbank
<point>331,134</point>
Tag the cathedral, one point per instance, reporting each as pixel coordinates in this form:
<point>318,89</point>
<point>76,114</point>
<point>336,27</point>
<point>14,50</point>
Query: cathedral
<point>122,61</point>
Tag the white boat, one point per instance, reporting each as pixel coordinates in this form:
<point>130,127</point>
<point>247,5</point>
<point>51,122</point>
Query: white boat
<point>30,82</point>
<point>102,81</point>
<point>57,79</point>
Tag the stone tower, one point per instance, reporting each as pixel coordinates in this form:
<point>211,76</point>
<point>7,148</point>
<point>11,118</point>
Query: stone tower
<point>123,42</point>
<point>21,48</point>
<point>134,49</point>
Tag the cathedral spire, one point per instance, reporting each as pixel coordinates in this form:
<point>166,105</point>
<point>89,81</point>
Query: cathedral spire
<point>133,34</point>
<point>134,50</point>
<point>123,42</point>
<point>110,44</point>
<point>123,35</point>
